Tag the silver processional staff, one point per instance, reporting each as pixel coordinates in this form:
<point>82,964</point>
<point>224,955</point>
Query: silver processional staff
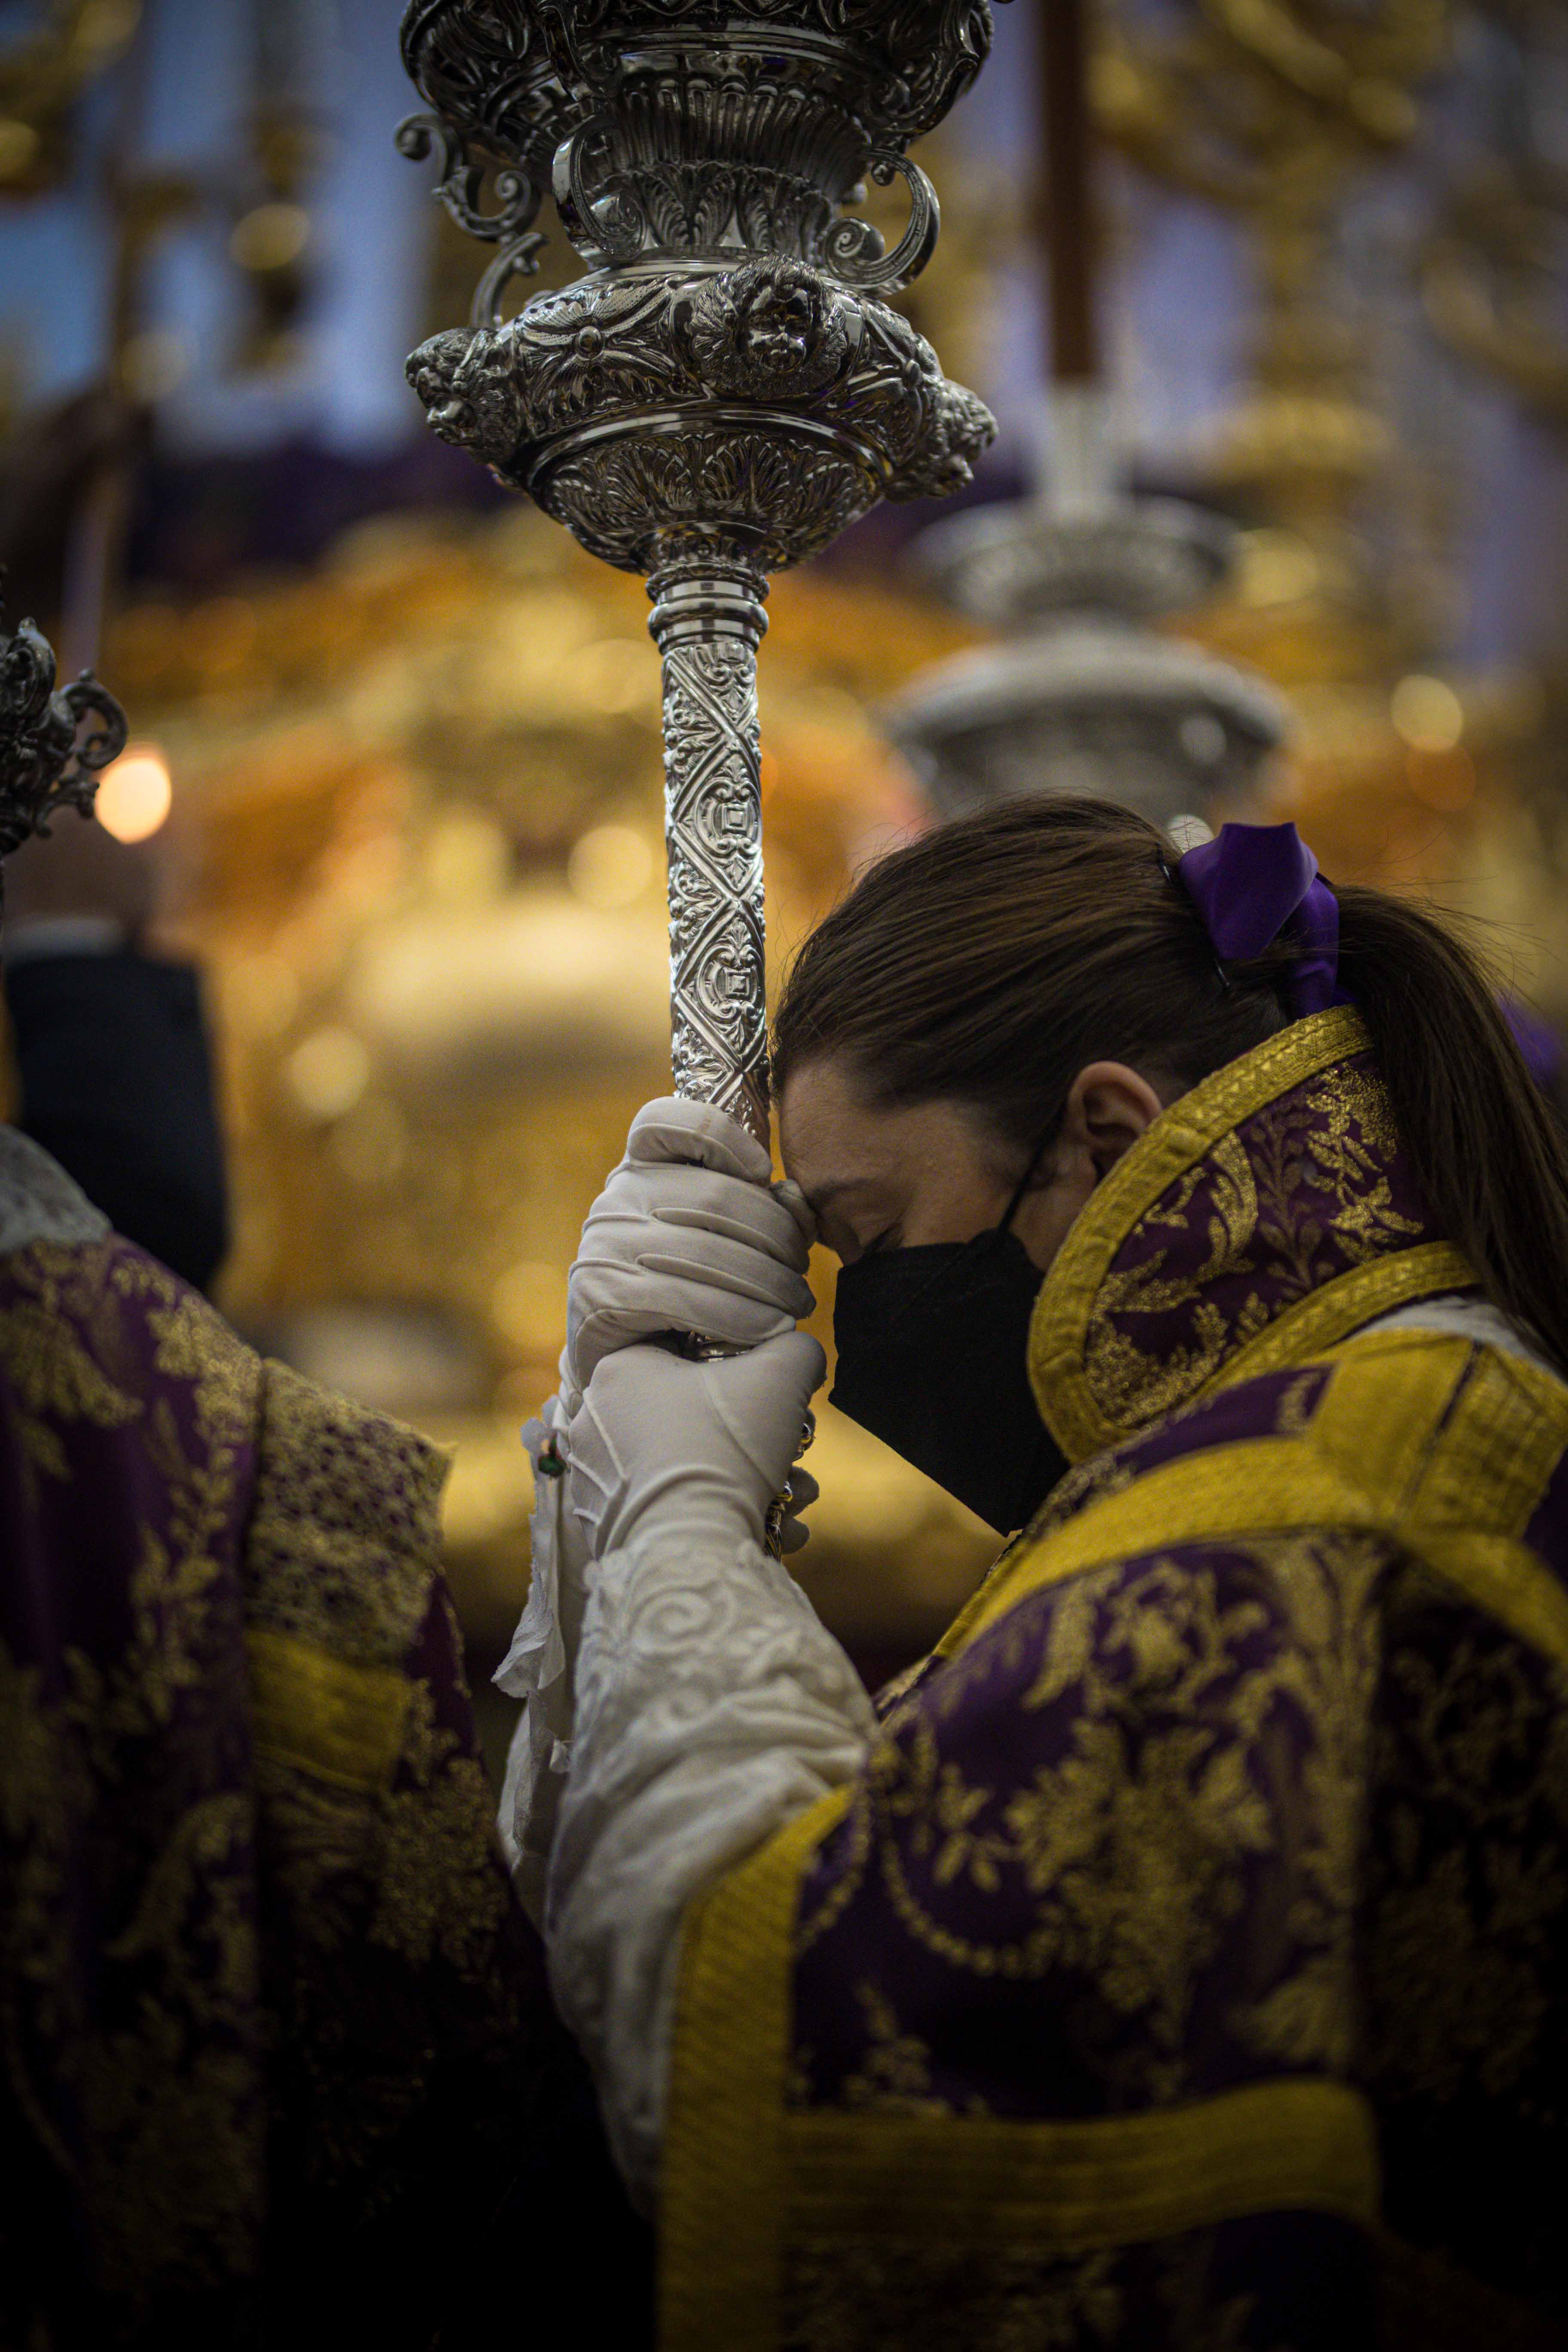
<point>727,387</point>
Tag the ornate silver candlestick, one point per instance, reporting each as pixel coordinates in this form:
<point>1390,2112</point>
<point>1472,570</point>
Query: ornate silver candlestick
<point>1084,697</point>
<point>46,762</point>
<point>725,389</point>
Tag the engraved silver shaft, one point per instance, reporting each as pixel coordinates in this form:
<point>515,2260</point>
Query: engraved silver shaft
<point>707,622</point>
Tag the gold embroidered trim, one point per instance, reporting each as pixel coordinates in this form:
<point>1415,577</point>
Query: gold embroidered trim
<point>722,2203</point>
<point>1443,1448</point>
<point>1325,1317</point>
<point>338,1722</point>
<point>964,2182</point>
<point>1185,1132</point>
<point>1504,1439</point>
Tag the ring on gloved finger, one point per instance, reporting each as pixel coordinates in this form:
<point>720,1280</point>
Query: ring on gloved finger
<point>779,1510</point>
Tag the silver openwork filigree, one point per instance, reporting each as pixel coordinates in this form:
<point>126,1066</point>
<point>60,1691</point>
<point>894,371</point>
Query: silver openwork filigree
<point>47,763</point>
<point>727,388</point>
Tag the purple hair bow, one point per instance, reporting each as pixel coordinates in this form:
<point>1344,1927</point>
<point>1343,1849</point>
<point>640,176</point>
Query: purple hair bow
<point>1254,882</point>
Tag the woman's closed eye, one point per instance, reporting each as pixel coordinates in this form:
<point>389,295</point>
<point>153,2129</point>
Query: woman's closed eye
<point>889,1238</point>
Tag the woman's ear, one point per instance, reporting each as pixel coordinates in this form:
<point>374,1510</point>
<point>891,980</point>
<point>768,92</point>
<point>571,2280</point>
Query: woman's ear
<point>1109,1106</point>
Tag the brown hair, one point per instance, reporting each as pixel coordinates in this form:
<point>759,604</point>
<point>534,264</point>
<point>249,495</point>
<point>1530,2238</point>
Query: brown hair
<point>988,961</point>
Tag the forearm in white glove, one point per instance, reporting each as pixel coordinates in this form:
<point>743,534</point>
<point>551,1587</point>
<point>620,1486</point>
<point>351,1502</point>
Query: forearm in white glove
<point>689,1234</point>
<point>713,1704</point>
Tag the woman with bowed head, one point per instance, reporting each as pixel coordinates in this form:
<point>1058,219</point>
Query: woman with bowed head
<point>1173,1957</point>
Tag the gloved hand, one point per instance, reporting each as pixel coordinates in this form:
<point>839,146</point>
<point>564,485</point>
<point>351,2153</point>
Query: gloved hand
<point>697,1449</point>
<point>689,1234</point>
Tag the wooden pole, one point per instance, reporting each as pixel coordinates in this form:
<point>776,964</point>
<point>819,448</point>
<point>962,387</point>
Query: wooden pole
<point>95,540</point>
<point>1066,219</point>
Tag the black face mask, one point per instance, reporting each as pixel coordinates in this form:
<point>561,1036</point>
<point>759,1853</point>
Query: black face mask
<point>933,1360</point>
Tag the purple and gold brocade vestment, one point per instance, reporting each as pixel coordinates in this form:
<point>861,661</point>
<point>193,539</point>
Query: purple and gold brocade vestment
<point>1186,1968</point>
<point>276,2041</point>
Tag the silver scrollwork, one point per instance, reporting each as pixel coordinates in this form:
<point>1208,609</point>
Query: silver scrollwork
<point>459,188</point>
<point>46,764</point>
<point>854,251</point>
<point>608,227</point>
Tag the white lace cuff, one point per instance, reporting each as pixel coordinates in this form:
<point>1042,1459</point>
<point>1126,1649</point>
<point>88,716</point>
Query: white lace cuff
<point>538,1670</point>
<point>712,1705</point>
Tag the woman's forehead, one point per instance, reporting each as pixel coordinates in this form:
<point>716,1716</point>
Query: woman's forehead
<point>833,1138</point>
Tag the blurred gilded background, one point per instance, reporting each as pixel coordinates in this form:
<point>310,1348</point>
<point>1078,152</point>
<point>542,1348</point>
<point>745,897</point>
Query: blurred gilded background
<point>413,734</point>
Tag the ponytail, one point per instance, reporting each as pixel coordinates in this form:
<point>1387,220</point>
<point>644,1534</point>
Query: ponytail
<point>1489,1153</point>
<point>988,961</point>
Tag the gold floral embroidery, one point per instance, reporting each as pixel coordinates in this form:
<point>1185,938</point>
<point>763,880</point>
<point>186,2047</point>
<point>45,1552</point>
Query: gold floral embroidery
<point>1471,1921</point>
<point>894,2077</point>
<point>438,1886</point>
<point>53,1377</point>
<point>328,1537</point>
<point>940,1807</point>
<point>816,1921</point>
<point>844,2297</point>
<point>1115,1366</point>
<point>1201,1761</point>
<point>173,2125</point>
<point>1333,1137</point>
<point>1133,1847</point>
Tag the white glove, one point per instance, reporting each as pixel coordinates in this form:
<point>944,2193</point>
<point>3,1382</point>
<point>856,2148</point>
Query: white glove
<point>700,1449</point>
<point>689,1234</point>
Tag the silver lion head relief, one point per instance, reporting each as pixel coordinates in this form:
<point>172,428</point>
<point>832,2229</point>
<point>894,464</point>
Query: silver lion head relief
<point>727,388</point>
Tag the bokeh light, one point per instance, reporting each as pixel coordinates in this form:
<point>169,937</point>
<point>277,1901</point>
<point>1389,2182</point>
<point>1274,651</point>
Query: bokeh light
<point>529,1304</point>
<point>328,1072</point>
<point>270,236</point>
<point>610,866</point>
<point>1427,713</point>
<point>135,794</point>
